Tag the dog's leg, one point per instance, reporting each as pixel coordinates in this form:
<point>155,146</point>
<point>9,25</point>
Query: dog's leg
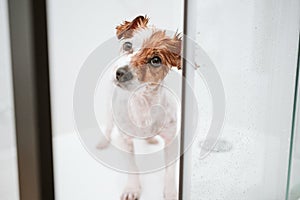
<point>106,138</point>
<point>132,189</point>
<point>171,153</point>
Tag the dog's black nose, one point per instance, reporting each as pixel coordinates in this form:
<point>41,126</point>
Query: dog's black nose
<point>123,74</point>
<point>120,72</point>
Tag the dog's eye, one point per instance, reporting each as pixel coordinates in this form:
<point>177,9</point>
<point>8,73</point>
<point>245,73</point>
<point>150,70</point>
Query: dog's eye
<point>155,61</point>
<point>127,46</point>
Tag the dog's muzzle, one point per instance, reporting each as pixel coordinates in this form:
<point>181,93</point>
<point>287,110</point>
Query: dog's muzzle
<point>123,74</point>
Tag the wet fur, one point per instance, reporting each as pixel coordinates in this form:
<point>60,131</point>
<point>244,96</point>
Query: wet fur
<point>154,43</point>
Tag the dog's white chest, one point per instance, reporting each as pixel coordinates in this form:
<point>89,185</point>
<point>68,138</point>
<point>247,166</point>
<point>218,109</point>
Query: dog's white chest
<point>142,115</point>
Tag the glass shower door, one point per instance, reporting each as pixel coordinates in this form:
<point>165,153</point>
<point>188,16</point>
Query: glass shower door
<point>254,47</point>
<point>82,36</point>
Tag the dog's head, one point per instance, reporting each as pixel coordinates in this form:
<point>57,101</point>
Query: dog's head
<point>147,54</point>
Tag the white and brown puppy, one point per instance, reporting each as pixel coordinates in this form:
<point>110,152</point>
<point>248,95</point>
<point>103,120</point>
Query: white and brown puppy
<point>147,55</point>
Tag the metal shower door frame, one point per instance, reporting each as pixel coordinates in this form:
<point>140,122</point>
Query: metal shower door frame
<point>29,51</point>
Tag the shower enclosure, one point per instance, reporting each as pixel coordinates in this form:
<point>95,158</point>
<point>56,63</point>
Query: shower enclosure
<point>240,69</point>
<point>254,46</point>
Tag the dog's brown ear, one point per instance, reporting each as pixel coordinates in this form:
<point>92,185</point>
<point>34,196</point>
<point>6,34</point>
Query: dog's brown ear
<point>126,29</point>
<point>175,47</point>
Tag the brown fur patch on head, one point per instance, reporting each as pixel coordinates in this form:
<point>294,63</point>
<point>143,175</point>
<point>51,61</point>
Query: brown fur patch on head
<point>126,29</point>
<point>168,49</point>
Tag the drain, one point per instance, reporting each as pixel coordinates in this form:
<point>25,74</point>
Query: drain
<point>220,146</point>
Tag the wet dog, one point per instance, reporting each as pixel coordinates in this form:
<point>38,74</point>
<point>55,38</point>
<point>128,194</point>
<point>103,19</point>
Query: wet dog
<point>147,55</point>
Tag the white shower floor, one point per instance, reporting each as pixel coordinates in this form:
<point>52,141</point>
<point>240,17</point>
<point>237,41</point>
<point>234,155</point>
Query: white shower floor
<point>78,176</point>
<point>234,175</point>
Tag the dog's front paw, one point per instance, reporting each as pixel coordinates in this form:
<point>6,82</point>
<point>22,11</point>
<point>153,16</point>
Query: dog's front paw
<point>152,140</point>
<point>131,193</point>
<point>170,195</point>
<point>104,143</point>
